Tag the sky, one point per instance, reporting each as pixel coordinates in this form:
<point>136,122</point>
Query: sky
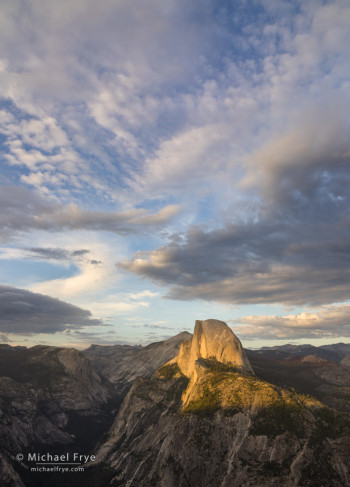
<point>171,160</point>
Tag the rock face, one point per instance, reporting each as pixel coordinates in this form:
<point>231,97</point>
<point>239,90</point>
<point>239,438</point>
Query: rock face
<point>46,396</point>
<point>8,475</point>
<point>212,339</point>
<point>153,443</point>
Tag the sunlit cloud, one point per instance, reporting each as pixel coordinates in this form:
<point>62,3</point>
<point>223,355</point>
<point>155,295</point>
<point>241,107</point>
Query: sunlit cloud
<point>327,321</point>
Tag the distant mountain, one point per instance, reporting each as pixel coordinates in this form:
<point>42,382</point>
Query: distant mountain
<point>335,352</point>
<point>122,364</point>
<point>309,373</point>
<point>8,348</point>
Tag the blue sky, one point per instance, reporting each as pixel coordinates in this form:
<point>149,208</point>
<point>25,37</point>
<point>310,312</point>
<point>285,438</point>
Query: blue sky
<point>170,161</point>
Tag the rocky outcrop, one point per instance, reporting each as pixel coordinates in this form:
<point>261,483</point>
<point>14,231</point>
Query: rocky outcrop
<point>212,339</point>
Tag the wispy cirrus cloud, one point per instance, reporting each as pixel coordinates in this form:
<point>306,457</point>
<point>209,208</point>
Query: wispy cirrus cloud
<point>23,211</point>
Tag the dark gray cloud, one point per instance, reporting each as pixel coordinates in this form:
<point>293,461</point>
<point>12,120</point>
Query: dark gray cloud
<point>153,338</point>
<point>18,209</point>
<point>27,313</point>
<point>161,327</point>
<point>23,211</point>
<point>78,253</point>
<point>279,259</point>
<point>56,253</point>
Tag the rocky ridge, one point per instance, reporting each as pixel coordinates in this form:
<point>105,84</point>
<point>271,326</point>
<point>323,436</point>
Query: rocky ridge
<point>203,421</point>
<point>122,364</point>
<point>327,380</point>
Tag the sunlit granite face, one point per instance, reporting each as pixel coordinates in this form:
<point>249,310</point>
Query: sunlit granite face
<point>212,339</point>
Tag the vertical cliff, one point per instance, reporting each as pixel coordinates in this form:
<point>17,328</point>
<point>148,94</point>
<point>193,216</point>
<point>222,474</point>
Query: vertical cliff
<point>212,339</point>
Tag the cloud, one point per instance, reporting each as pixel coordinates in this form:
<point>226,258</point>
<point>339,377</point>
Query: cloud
<point>269,261</point>
<point>27,313</point>
<point>305,169</point>
<point>287,242</point>
<point>324,322</point>
<point>198,88</point>
<point>69,270</point>
<point>195,152</point>
<point>48,253</point>
<point>85,107</point>
<point>43,134</point>
<point>122,303</point>
<point>23,211</point>
<point>158,327</point>
<point>89,278</point>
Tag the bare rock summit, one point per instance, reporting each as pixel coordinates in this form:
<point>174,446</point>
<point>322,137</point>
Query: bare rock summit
<point>212,339</point>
